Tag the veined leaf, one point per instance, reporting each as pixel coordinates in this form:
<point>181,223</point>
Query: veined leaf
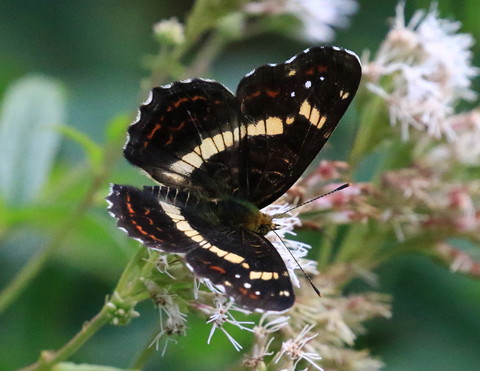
<point>32,107</point>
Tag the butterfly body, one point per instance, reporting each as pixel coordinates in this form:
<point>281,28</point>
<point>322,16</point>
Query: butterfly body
<point>220,158</point>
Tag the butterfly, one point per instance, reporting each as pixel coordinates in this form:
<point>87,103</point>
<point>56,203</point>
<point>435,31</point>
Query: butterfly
<point>220,158</point>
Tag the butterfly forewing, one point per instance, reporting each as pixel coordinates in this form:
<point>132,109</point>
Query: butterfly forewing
<point>187,137</point>
<point>290,110</point>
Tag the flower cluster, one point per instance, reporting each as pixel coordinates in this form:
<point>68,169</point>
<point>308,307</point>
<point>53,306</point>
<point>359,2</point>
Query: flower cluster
<point>318,17</point>
<point>421,70</point>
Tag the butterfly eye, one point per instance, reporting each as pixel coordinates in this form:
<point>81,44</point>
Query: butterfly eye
<point>264,229</point>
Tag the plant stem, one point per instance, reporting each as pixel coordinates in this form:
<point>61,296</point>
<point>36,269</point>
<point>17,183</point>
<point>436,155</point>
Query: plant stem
<point>48,359</point>
<point>129,291</point>
<point>326,246</point>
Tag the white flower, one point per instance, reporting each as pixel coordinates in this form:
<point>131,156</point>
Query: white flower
<point>175,323</point>
<point>259,352</point>
<point>466,148</point>
<point>292,252</point>
<point>319,17</point>
<point>294,349</point>
<point>429,66</point>
<point>266,326</point>
<point>161,262</point>
<point>222,314</point>
<point>169,31</point>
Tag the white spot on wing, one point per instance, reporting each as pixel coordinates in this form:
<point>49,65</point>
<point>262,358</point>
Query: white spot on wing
<point>149,98</point>
<point>270,126</point>
<point>291,59</point>
<point>308,84</point>
<point>137,118</point>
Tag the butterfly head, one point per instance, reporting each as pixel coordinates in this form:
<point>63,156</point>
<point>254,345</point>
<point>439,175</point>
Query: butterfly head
<point>261,224</point>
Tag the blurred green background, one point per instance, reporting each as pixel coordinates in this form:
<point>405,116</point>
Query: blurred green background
<point>96,49</point>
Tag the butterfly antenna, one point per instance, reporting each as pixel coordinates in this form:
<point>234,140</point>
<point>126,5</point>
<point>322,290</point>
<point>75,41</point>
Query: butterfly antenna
<point>343,186</point>
<point>339,188</point>
<point>317,291</point>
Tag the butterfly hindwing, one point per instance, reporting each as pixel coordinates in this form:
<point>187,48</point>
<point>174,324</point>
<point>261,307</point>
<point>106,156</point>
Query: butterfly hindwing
<point>154,216</point>
<point>248,267</point>
<point>245,264</point>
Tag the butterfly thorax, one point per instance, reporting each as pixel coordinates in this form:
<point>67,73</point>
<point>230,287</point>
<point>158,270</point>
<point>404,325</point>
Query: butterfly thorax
<point>236,212</point>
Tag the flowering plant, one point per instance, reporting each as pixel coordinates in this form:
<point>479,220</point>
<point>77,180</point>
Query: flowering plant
<point>424,195</point>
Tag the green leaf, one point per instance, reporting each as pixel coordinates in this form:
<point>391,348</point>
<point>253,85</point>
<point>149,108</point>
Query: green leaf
<point>69,366</point>
<point>92,149</point>
<point>374,128</point>
<point>32,108</point>
<point>116,129</point>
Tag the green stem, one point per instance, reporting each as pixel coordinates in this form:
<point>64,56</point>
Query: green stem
<point>129,291</point>
<point>48,359</point>
<point>207,54</point>
<point>141,360</point>
<point>373,129</point>
<point>362,243</point>
<point>326,246</point>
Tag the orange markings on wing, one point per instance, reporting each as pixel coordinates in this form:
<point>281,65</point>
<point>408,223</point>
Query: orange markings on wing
<point>322,68</point>
<point>255,94</point>
<point>185,99</point>
<point>170,140</point>
<point>218,269</point>
<point>129,205</point>
<point>272,93</point>
<point>179,102</point>
<point>139,228</point>
<point>245,292</point>
<point>309,71</point>
<point>179,127</point>
<point>154,130</point>
<point>199,97</point>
